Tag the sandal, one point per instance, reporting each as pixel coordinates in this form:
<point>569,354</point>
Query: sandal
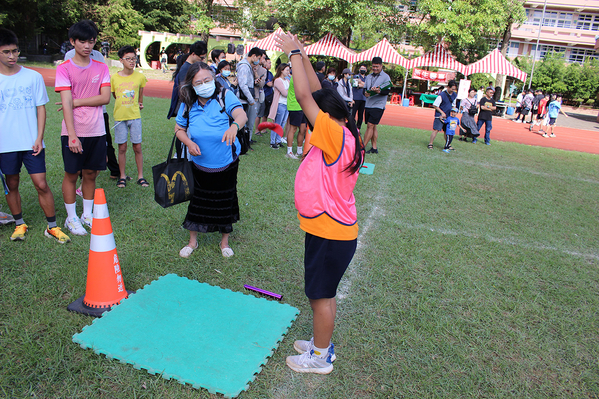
<point>186,251</point>
<point>430,146</point>
<point>227,251</point>
<point>121,183</point>
<point>143,182</point>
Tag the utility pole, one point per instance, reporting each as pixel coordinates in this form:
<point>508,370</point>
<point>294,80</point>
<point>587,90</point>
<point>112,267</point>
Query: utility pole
<point>534,60</point>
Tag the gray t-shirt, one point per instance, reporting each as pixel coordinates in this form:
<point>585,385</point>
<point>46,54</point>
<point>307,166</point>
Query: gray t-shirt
<point>95,55</point>
<point>378,100</point>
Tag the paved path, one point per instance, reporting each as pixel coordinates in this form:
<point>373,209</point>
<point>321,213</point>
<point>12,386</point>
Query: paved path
<point>579,132</point>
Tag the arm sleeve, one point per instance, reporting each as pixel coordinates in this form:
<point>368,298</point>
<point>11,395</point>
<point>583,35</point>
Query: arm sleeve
<point>437,101</point>
<point>41,95</point>
<point>242,81</point>
<point>63,81</point>
<point>328,136</point>
<point>341,91</point>
<point>231,102</point>
<point>280,86</point>
<point>181,120</point>
<point>105,76</point>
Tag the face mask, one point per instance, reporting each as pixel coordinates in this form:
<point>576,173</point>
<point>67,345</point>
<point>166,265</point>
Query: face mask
<point>205,90</point>
<point>256,62</point>
<point>225,73</point>
<point>362,72</point>
<point>347,77</point>
<point>331,77</point>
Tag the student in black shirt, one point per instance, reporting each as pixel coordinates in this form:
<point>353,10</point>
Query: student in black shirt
<point>487,106</point>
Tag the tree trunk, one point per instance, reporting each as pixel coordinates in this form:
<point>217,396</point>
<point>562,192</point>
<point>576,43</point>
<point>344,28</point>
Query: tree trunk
<point>505,45</point>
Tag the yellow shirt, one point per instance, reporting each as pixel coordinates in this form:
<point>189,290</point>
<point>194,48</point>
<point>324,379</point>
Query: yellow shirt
<point>126,89</point>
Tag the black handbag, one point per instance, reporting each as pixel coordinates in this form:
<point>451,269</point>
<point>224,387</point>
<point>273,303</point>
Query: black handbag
<point>173,179</point>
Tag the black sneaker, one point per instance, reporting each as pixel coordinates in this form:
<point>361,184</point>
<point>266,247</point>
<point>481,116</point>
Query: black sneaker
<point>374,151</point>
<point>274,146</point>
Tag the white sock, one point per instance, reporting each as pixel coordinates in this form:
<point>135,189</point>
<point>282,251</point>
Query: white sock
<point>321,352</point>
<point>289,150</point>
<point>88,205</point>
<point>71,210</point>
<point>300,150</point>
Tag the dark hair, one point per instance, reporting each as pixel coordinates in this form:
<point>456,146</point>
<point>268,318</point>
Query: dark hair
<point>452,83</point>
<point>83,30</point>
<point>266,57</point>
<point>330,102</point>
<point>362,65</point>
<point>187,94</point>
<point>319,65</point>
<point>125,50</point>
<point>331,69</point>
<point>377,60</point>
<point>8,37</point>
<point>222,64</point>
<point>255,51</point>
<point>199,48</point>
<point>471,89</point>
<point>180,61</point>
<point>280,70</point>
<point>214,54</point>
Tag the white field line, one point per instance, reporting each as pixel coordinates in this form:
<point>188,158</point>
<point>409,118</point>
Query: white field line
<point>524,170</point>
<point>504,240</point>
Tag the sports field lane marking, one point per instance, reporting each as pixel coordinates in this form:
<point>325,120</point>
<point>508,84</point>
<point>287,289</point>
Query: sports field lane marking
<point>489,238</point>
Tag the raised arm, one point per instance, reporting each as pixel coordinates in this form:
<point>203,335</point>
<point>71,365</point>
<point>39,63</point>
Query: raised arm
<point>310,73</point>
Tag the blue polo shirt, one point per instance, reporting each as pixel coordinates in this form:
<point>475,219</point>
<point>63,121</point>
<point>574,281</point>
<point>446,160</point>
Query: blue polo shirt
<point>206,128</point>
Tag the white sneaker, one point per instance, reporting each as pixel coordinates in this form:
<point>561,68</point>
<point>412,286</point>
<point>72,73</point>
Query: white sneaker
<point>518,121</point>
<point>302,346</point>
<point>290,155</point>
<point>74,226</point>
<point>310,363</point>
<point>87,220</point>
<point>283,140</point>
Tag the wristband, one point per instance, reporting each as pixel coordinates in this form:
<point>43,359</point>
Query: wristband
<point>294,52</point>
<point>236,124</point>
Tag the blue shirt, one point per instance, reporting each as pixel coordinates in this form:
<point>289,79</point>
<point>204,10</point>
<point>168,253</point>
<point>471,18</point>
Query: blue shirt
<point>180,78</point>
<point>359,91</point>
<point>206,128</point>
<point>451,125</point>
<point>553,109</point>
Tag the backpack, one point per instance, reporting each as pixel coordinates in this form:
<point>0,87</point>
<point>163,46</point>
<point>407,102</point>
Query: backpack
<point>243,134</point>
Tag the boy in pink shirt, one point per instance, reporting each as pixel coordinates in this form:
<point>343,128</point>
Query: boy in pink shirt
<point>84,86</point>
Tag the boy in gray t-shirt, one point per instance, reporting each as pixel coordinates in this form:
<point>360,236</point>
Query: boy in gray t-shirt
<point>376,100</point>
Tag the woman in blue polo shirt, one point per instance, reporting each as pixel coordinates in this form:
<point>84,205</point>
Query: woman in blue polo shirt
<point>212,142</point>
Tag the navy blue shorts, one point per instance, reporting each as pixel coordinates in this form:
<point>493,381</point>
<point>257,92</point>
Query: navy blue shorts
<point>296,118</point>
<point>373,115</point>
<point>439,125</point>
<point>10,162</point>
<point>325,261</point>
<point>93,157</point>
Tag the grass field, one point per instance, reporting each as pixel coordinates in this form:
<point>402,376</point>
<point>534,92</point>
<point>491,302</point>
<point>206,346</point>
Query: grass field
<point>476,275</point>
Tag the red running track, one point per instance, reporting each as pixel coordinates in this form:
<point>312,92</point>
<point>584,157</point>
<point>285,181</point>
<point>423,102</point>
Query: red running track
<point>422,118</point>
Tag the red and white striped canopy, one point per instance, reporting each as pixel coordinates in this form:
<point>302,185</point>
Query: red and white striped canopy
<point>385,50</point>
<point>268,43</point>
<point>438,57</point>
<point>495,62</point>
<point>329,45</point>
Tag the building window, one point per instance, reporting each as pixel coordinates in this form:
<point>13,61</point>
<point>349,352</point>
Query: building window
<point>584,21</point>
<point>550,18</point>
<point>513,50</point>
<point>534,17</point>
<point>544,50</point>
<point>581,55</point>
<point>564,20</point>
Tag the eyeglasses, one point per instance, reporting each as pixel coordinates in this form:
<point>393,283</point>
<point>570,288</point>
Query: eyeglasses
<point>200,83</point>
<point>11,52</point>
<point>129,59</point>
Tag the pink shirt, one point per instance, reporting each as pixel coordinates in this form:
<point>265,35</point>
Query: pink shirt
<point>84,82</point>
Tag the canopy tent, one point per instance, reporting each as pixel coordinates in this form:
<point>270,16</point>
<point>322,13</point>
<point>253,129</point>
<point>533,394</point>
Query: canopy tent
<point>385,50</point>
<point>329,45</point>
<point>438,57</point>
<point>268,43</point>
<point>495,62</point>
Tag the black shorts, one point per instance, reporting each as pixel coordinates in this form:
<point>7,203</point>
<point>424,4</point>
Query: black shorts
<point>525,111</point>
<point>11,162</point>
<point>325,261</point>
<point>92,158</point>
<point>373,115</point>
<point>296,118</point>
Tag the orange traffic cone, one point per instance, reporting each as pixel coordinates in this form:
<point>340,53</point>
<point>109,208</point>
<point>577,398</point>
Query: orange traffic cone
<point>105,286</point>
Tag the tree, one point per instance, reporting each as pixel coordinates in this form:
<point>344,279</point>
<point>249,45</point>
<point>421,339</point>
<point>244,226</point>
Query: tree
<point>469,27</point>
<point>582,81</point>
<point>119,23</point>
<point>165,15</point>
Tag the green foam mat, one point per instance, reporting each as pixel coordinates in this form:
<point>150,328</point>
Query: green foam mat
<point>367,168</point>
<point>193,332</point>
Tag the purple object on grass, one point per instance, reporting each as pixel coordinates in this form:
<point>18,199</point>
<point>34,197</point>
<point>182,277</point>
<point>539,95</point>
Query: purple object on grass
<point>261,291</point>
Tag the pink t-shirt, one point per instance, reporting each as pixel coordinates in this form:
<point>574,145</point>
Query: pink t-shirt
<point>84,82</point>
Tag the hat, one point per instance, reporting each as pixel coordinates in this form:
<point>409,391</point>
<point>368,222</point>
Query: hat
<point>346,70</point>
<point>490,88</point>
<point>319,65</point>
<point>454,110</point>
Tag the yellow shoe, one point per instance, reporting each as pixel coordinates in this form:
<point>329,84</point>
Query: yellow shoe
<point>56,232</point>
<point>19,234</point>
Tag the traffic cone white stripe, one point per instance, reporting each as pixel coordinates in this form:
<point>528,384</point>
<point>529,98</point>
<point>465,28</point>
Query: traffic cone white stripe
<point>102,243</point>
<point>101,211</point>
